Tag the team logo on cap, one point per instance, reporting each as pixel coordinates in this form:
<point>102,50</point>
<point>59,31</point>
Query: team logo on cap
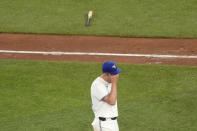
<point>114,66</point>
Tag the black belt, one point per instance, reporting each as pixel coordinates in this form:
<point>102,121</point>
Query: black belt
<point>104,119</point>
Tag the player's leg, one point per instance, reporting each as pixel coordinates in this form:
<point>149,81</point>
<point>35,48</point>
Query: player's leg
<point>96,125</point>
<point>109,125</point>
<point>113,126</point>
<point>96,128</point>
<point>106,129</point>
<point>116,127</point>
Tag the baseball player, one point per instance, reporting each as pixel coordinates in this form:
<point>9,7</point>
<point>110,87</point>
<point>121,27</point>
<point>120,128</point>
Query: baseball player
<point>104,98</point>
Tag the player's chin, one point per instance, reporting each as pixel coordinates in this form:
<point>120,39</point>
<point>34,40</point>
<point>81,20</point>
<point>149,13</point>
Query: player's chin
<point>109,80</point>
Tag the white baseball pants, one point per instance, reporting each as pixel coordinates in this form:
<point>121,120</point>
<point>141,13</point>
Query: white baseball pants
<point>108,125</point>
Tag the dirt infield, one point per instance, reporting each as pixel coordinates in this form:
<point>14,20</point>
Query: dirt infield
<point>63,43</point>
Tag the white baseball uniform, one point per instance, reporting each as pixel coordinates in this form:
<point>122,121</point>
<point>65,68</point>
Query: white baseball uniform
<point>99,89</point>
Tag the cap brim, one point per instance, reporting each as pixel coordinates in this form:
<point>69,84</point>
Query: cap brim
<point>117,71</point>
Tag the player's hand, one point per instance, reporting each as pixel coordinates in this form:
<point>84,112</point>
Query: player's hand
<point>114,78</point>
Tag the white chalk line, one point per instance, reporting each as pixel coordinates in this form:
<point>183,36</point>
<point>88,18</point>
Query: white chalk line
<point>98,54</point>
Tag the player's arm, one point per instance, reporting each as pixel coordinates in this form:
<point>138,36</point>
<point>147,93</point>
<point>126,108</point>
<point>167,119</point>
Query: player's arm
<point>112,97</point>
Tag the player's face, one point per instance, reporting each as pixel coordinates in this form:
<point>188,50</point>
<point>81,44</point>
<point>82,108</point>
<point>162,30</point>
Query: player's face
<point>108,77</point>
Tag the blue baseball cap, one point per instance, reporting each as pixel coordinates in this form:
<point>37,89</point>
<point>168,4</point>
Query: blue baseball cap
<point>110,67</point>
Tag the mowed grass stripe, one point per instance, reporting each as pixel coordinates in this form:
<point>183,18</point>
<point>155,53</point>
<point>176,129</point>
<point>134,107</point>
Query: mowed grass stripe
<point>41,95</point>
<point>130,18</point>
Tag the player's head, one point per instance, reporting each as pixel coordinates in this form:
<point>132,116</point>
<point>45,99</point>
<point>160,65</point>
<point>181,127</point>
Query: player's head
<point>111,68</point>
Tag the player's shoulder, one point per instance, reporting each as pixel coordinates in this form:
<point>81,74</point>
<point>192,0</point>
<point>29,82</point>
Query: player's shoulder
<point>97,82</point>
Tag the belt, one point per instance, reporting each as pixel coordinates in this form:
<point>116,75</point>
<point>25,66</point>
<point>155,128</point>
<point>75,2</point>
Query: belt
<point>104,119</point>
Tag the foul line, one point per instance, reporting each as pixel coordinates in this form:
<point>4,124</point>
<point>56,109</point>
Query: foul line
<point>97,54</point>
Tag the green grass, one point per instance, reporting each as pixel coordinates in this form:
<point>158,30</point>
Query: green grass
<point>128,18</point>
<point>55,96</point>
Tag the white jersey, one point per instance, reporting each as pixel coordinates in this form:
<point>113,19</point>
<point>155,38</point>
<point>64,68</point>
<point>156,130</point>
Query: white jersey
<point>99,89</point>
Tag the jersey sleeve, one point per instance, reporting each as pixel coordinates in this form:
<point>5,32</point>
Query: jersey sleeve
<point>100,92</point>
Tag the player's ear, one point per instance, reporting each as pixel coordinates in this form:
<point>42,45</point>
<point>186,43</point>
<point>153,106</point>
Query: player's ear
<point>108,74</point>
